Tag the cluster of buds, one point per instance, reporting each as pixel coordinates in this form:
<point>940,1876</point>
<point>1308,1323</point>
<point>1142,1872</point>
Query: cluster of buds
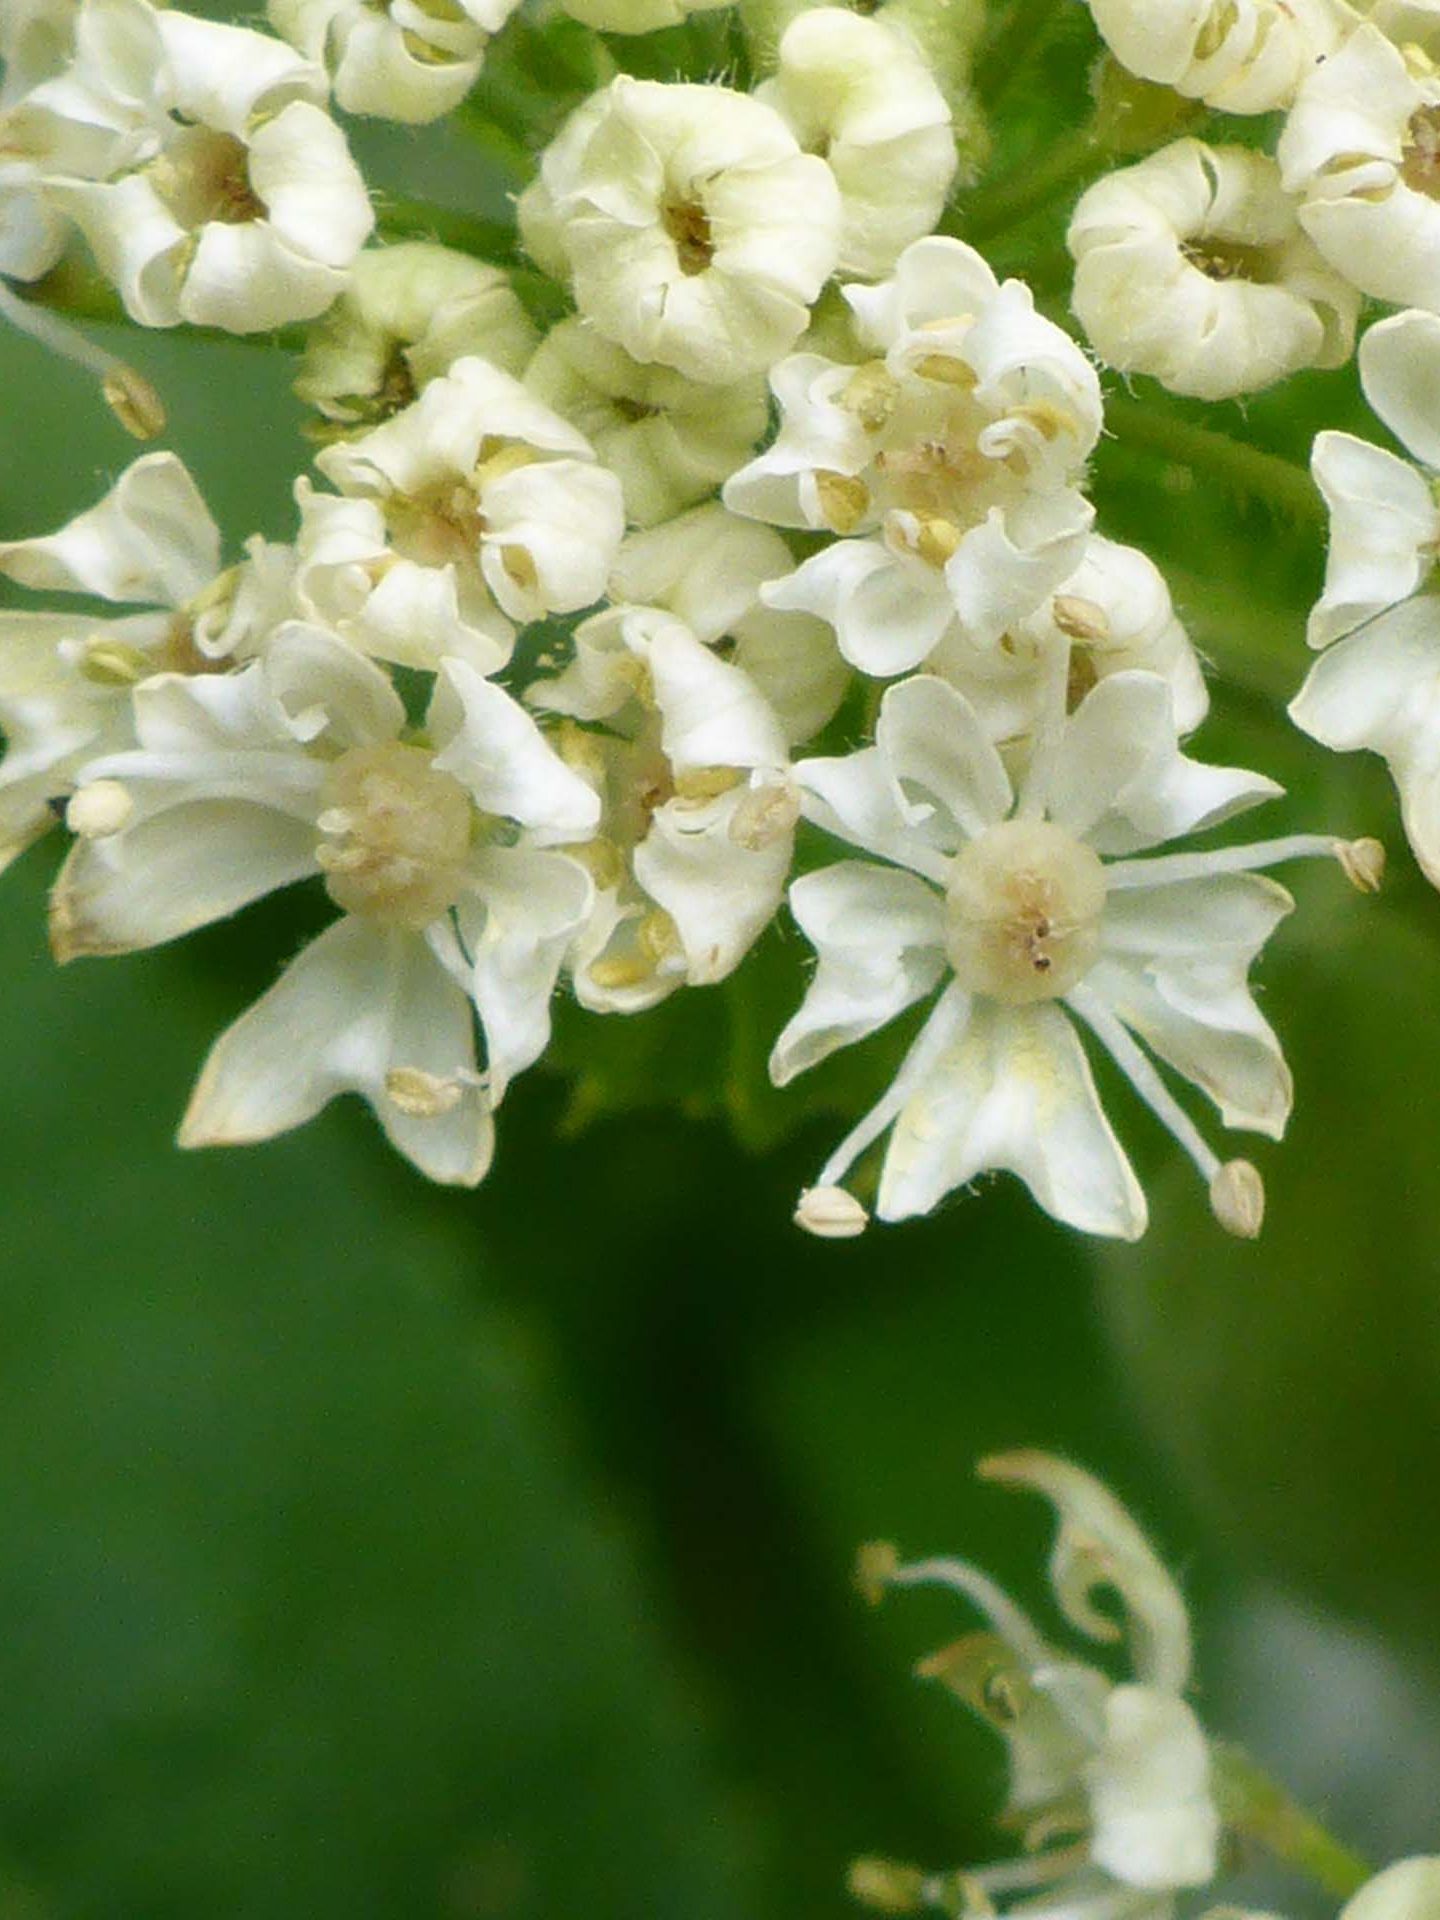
<point>572,649</point>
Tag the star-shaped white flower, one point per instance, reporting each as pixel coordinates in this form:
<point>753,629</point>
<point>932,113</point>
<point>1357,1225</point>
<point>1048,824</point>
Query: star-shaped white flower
<point>1031,913</point>
<point>440,850</point>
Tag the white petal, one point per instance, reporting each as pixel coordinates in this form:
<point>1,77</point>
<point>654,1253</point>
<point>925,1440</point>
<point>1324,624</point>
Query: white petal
<point>150,540</point>
<point>566,518</point>
<point>1408,1890</point>
<point>530,907</point>
<point>855,796</point>
<point>301,169</point>
<point>939,753</point>
<point>1400,372</point>
<point>1155,1820</point>
<point>720,894</point>
<point>246,279</point>
<point>1384,526</point>
<point>1013,1093</point>
<point>712,714</point>
<point>489,742</point>
<point>357,1004</point>
<point>879,939</point>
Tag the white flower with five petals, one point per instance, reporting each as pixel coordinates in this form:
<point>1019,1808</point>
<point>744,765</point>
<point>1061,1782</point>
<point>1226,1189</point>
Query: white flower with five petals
<point>948,467</point>
<point>1242,56</point>
<point>440,850</point>
<point>1030,912</point>
<point>407,60</point>
<point>471,511</point>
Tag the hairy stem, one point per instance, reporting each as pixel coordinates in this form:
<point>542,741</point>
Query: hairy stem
<point>1068,162</point>
<point>1259,1808</point>
<point>1267,477</point>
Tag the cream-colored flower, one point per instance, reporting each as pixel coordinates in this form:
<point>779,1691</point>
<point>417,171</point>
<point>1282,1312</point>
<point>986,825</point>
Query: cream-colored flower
<point>635,16</point>
<point>409,60</point>
<point>471,511</point>
<point>669,440</point>
<point>1192,266</point>
<point>1243,56</point>
<point>407,314</point>
<point>947,467</point>
<point>699,808</point>
<point>239,205</point>
<point>857,92</point>
<point>694,230</point>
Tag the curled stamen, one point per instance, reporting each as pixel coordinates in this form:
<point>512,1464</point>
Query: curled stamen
<point>128,394</point>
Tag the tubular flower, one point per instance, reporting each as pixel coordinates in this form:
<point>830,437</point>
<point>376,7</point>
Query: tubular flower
<point>472,509</point>
<point>408,313</point>
<point>66,678</point>
<point>947,466</point>
<point>409,60</point>
<point>1376,684</point>
<point>438,851</point>
<point>1030,912</point>
<point>1123,1770</point>
<point>236,203</point>
<point>699,808</point>
<point>1242,56</point>
<point>1361,149</point>
<point>693,229</point>
<point>1192,266</point>
<point>857,92</point>
<point>670,440</point>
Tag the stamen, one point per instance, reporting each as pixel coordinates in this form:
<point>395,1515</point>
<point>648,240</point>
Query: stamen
<point>128,394</point>
<point>1012,1623</point>
<point>1141,1074</point>
<point>951,1011</point>
<point>1353,855</point>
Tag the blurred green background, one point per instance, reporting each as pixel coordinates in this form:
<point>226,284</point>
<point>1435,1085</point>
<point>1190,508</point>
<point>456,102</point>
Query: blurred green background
<point>371,1551</point>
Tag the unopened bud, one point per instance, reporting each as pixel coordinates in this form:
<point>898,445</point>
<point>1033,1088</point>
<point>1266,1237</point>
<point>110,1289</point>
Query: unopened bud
<point>1237,1199</point>
<point>420,1095</point>
<point>830,1213</point>
<point>99,809</point>
<point>1363,863</point>
<point>133,401</point>
<point>766,815</point>
<point>886,1886</point>
<point>875,1567</point>
<point>1080,619</point>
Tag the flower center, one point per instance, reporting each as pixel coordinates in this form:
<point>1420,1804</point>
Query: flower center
<point>1420,156</point>
<point>1229,260</point>
<point>396,835</point>
<point>688,225</point>
<point>1023,912</point>
<point>204,176</point>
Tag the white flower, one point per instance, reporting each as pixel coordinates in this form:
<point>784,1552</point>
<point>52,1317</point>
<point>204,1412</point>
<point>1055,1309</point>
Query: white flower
<point>694,230</point>
<point>473,508</point>
<point>439,854</point>
<point>670,440</point>
<point>1376,685</point>
<point>1193,267</point>
<point>36,40</point>
<point>1243,56</point>
<point>1114,613</point>
<point>1408,1890</point>
<point>410,60</point>
<point>950,461</point>
<point>238,205</point>
<point>66,678</point>
<point>707,568</point>
<point>699,808</point>
<point>408,313</point>
<point>858,93</point>
<point>1362,149</point>
<point>1126,1765</point>
<point>1025,911</point>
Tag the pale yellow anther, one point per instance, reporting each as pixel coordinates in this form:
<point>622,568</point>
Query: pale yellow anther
<point>765,816</point>
<point>1237,1199</point>
<point>505,460</point>
<point>99,809</point>
<point>1048,420</point>
<point>875,1567</point>
<point>700,785</point>
<point>1080,619</point>
<point>936,539</point>
<point>579,750</point>
<point>658,936</point>
<point>844,500</point>
<point>519,563</point>
<point>111,663</point>
<point>1363,863</point>
<point>622,970</point>
<point>1216,30</point>
<point>601,859</point>
<point>420,1095</point>
<point>871,393</point>
<point>830,1213</point>
<point>133,401</point>
<point>947,370</point>
<point>886,1886</point>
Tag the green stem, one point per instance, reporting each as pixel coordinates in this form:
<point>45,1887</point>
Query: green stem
<point>417,219</point>
<point>765,22</point>
<point>1268,477</point>
<point>1254,1805</point>
<point>1069,161</point>
<point>1005,52</point>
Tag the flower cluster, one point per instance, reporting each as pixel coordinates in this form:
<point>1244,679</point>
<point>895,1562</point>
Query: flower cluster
<point>749,520</point>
